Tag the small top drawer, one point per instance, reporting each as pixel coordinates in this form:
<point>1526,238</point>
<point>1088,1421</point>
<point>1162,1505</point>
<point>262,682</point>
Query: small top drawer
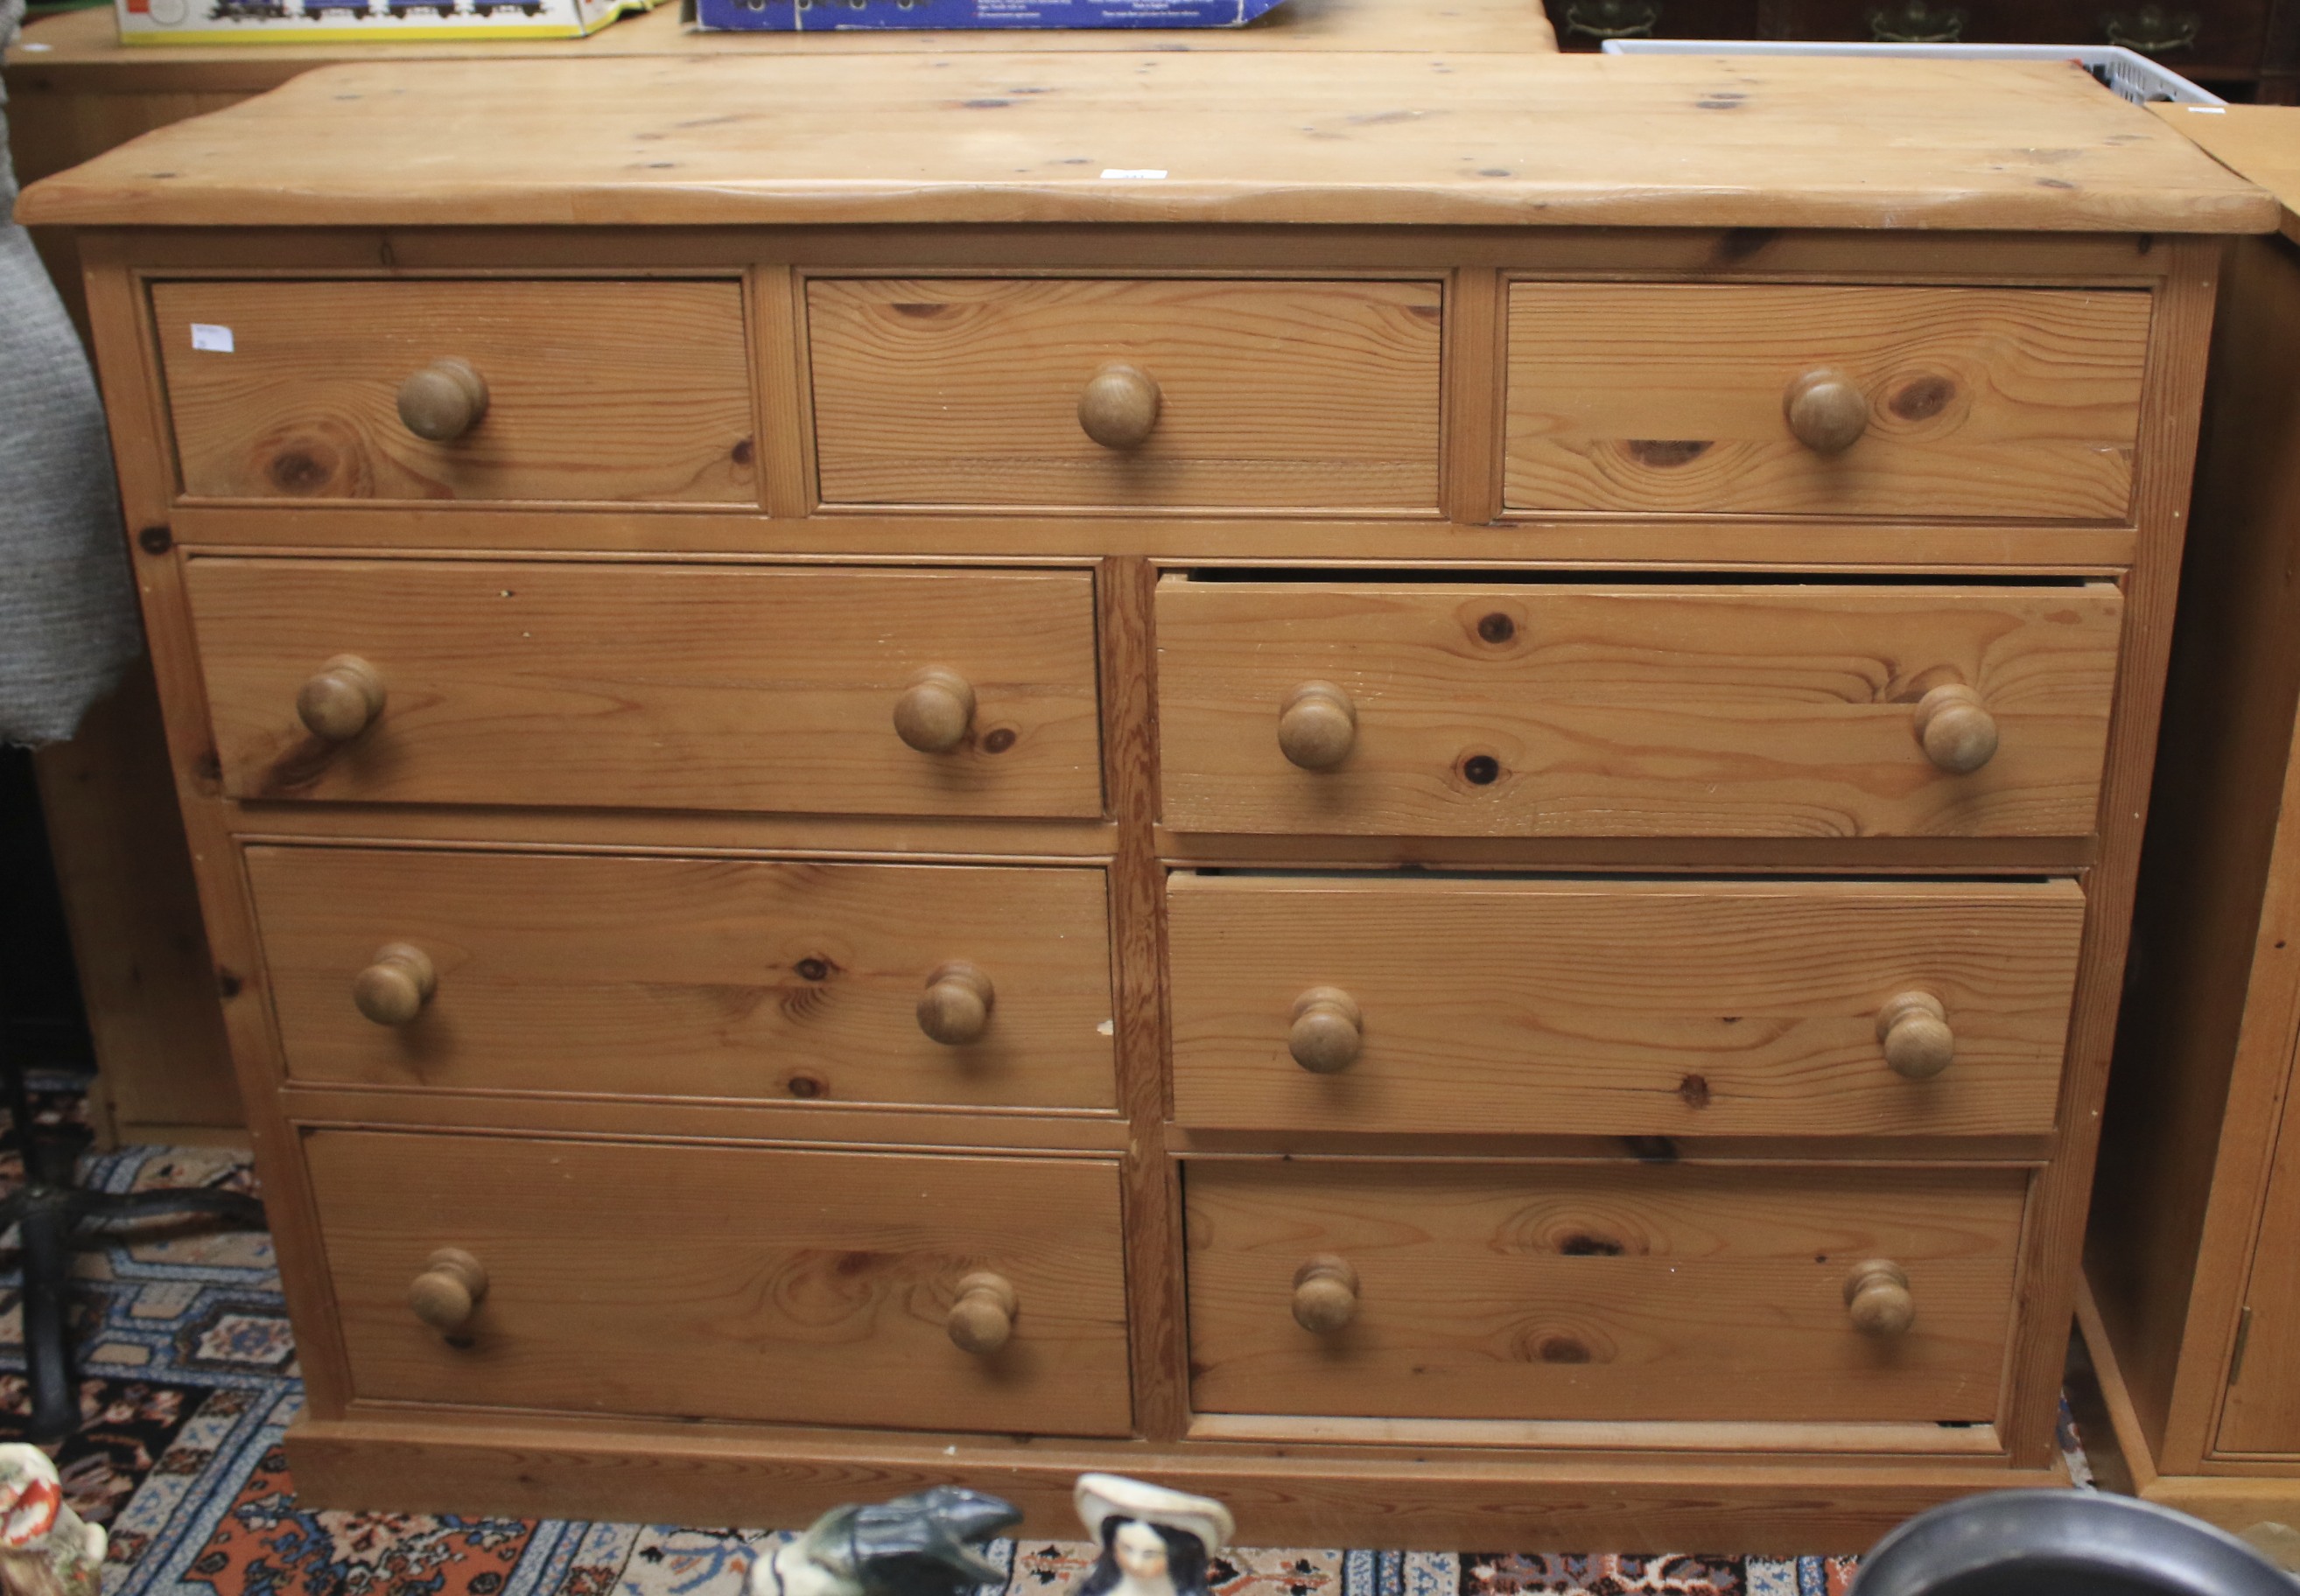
<point>608,392</point>
<point>814,690</point>
<point>1091,392</point>
<point>1784,399</point>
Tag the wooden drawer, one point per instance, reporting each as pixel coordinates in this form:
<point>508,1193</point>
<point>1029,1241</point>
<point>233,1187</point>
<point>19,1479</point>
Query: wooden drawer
<point>1598,1291</point>
<point>695,977</point>
<point>1671,398</point>
<point>1592,710</point>
<point>607,392</point>
<point>1268,394</point>
<point>650,687</point>
<point>728,1282</point>
<point>1620,1008</point>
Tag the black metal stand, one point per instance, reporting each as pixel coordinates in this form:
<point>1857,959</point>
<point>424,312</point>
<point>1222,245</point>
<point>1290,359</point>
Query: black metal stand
<point>50,1212</point>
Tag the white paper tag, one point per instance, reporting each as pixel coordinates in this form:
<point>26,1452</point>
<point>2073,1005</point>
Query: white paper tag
<point>207,334</point>
<point>2207,111</point>
<point>1134,174</point>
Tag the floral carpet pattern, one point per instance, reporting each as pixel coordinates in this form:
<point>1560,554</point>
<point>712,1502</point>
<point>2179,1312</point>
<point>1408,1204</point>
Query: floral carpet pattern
<point>189,1383</point>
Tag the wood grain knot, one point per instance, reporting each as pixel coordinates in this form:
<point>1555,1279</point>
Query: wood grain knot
<point>1664,453</point>
<point>1481,769</point>
<point>742,452</point>
<point>1583,1243</point>
<point>1922,399</point>
<point>1695,1090</point>
<point>997,740</point>
<point>803,1084</point>
<point>814,969</point>
<point>1561,1349</point>
<point>305,469</point>
<point>1496,628</point>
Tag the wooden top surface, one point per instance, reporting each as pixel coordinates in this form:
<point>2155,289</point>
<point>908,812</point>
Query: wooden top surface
<point>2261,143</point>
<point>1357,138</point>
<point>81,52</point>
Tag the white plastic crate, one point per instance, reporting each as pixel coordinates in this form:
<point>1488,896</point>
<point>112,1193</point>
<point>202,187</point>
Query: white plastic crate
<point>2126,71</point>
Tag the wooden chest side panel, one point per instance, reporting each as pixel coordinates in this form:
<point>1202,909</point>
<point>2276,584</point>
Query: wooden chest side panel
<point>1600,1291</point>
<point>730,1283</point>
<point>1620,1008</point>
<point>690,977</point>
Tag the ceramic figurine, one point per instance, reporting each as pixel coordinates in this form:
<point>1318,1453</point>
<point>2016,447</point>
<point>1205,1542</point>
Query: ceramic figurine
<point>1154,1542</point>
<point>45,1548</point>
<point>924,1544</point>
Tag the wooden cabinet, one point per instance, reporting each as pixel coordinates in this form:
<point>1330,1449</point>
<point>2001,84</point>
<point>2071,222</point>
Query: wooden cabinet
<point>2196,1325</point>
<point>1161,892</point>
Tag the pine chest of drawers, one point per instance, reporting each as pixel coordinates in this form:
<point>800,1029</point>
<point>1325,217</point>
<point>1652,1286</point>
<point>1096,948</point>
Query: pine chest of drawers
<point>1402,787</point>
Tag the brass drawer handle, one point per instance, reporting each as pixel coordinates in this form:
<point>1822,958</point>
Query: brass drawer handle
<point>982,1319</point>
<point>1878,1300</point>
<point>342,701</point>
<point>1913,1029</point>
<point>393,989</point>
<point>1119,408</point>
<point>449,1291</point>
<point>1958,732</point>
<point>1316,726</point>
<point>935,710</point>
<point>1325,1294</point>
<point>1612,19</point>
<point>2152,30</point>
<point>1827,411</point>
<point>1916,22</point>
<point>954,1010</point>
<point>1328,1030</point>
<point>443,401</point>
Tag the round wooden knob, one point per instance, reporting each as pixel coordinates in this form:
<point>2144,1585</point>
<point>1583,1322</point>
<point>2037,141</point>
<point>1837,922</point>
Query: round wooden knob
<point>1328,1030</point>
<point>1120,407</point>
<point>954,1009</point>
<point>935,710</point>
<point>982,1319</point>
<point>1876,1298</point>
<point>1914,1030</point>
<point>1325,1294</point>
<point>449,1291</point>
<point>342,701</point>
<point>1958,732</point>
<point>1316,726</point>
<point>1827,411</point>
<point>443,401</point>
<point>393,990</point>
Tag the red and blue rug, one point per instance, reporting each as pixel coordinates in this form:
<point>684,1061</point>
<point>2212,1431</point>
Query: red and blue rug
<point>190,1381</point>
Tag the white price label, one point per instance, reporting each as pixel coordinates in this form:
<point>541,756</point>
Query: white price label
<point>207,334</point>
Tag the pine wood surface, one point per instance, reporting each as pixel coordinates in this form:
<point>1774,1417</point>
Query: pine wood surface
<point>665,686</point>
<point>613,392</point>
<point>949,391</point>
<point>1636,1293</point>
<point>1667,399</point>
<point>742,1283</point>
<point>1361,139</point>
<point>2260,143</point>
<point>1658,710</point>
<point>654,977</point>
<point>1620,1008</point>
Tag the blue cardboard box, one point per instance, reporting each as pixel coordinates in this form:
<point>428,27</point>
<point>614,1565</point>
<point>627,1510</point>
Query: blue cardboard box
<point>816,16</point>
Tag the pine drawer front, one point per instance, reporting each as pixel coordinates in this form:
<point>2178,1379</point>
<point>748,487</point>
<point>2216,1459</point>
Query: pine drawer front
<point>1904,403</point>
<point>689,978</point>
<point>600,392</point>
<point>652,687</point>
<point>1206,393</point>
<point>706,1282</point>
<point>1620,1008</point>
<point>1596,1292</point>
<point>1505,709</point>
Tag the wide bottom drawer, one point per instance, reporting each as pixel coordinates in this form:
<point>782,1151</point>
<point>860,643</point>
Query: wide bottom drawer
<point>764,1283</point>
<point>1600,1291</point>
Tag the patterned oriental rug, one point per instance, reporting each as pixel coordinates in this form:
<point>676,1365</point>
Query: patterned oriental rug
<point>188,1381</point>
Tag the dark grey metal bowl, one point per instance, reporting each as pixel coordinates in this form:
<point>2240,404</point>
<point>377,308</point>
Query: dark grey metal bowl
<point>2064,1544</point>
